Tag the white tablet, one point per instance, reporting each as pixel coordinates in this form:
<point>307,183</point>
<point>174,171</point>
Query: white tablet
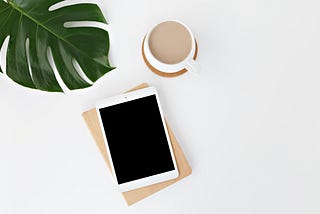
<point>137,139</point>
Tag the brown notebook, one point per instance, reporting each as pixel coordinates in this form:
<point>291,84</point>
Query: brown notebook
<point>133,196</point>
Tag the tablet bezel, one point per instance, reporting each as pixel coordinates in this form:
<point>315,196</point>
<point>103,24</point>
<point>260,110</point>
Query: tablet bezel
<point>127,97</point>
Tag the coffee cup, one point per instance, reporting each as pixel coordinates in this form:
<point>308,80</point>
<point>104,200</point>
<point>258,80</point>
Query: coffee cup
<point>169,49</point>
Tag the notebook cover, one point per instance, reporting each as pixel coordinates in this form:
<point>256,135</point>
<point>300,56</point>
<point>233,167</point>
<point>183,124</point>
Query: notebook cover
<point>133,196</point>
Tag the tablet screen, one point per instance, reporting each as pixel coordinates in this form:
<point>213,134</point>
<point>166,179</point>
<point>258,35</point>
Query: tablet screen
<point>136,139</point>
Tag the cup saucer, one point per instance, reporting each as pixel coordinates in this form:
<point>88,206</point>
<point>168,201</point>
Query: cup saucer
<point>164,73</point>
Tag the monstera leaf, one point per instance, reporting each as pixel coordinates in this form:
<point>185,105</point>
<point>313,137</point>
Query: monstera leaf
<point>31,21</point>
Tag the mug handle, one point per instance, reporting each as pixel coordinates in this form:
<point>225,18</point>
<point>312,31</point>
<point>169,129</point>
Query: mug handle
<point>193,67</point>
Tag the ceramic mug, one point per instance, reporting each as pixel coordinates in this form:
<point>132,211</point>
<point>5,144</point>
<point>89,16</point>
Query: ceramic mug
<point>171,70</point>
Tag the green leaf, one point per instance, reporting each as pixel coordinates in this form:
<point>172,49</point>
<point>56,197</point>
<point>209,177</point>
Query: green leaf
<point>31,20</point>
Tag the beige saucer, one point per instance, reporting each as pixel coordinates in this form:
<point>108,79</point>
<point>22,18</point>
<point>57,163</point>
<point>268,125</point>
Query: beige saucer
<point>164,74</point>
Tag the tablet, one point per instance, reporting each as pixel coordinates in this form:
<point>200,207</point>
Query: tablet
<point>137,139</point>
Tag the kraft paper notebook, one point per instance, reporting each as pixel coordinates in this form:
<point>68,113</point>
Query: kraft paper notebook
<point>133,196</point>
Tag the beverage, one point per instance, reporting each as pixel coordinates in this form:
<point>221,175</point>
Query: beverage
<point>170,42</point>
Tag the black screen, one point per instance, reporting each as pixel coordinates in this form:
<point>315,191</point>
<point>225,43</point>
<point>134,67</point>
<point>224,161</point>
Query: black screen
<point>136,139</point>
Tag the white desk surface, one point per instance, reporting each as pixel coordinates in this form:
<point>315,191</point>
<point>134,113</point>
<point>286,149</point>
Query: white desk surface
<point>249,124</point>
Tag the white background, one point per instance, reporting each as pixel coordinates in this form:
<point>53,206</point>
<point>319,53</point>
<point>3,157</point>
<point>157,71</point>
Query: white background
<point>249,124</point>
